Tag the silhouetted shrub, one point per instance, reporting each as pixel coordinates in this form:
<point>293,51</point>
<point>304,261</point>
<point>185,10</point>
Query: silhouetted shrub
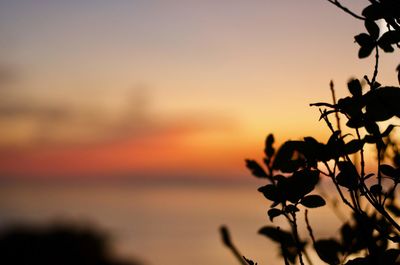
<point>292,172</point>
<point>56,245</point>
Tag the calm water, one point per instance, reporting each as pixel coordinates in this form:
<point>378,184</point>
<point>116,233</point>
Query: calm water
<point>161,224</point>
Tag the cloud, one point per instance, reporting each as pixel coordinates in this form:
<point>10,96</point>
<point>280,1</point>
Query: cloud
<point>26,123</point>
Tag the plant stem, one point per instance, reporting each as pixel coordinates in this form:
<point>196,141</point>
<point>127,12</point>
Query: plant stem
<point>332,87</point>
<point>297,238</point>
<point>332,176</point>
<point>362,163</point>
<point>226,239</point>
<point>379,173</point>
<point>345,9</point>
<point>375,74</point>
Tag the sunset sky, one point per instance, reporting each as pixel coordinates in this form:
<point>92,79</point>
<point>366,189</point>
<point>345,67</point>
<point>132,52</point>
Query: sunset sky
<point>156,88</point>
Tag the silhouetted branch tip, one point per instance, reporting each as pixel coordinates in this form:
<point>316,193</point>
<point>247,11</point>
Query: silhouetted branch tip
<point>226,238</point>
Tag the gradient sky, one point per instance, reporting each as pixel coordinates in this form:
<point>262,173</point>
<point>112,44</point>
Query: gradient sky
<point>166,88</point>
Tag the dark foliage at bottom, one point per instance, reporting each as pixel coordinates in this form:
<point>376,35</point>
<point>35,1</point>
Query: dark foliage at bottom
<point>56,245</point>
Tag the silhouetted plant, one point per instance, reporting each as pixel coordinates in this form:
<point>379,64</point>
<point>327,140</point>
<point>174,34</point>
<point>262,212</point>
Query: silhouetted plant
<point>58,244</point>
<point>371,233</point>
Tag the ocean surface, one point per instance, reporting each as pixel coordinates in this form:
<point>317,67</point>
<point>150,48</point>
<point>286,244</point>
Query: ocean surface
<point>160,223</point>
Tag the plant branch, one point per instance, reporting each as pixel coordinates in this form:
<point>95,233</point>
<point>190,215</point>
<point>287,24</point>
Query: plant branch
<point>332,176</point>
<point>332,87</point>
<point>297,238</point>
<point>226,239</point>
<point>362,163</point>
<point>310,231</point>
<point>345,9</point>
<point>375,74</point>
<point>326,119</point>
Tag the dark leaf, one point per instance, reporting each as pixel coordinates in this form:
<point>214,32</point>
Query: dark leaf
<point>256,169</point>
<point>272,213</point>
<point>365,51</point>
<point>383,103</point>
<point>368,176</point>
<point>373,12</point>
<point>372,28</point>
<point>372,127</point>
<point>388,170</point>
<point>367,44</point>
<point>376,189</point>
<point>351,106</point>
<point>355,122</point>
<point>328,250</point>
<point>371,139</point>
<point>388,38</point>
<point>348,175</point>
<point>353,146</point>
<point>364,40</point>
<point>270,192</point>
<point>298,185</point>
<point>333,139</point>
<point>286,160</point>
<point>269,149</point>
<point>335,145</point>
<point>385,46</point>
<point>315,151</point>
<point>355,88</point>
<point>313,201</point>
<point>292,208</point>
<point>347,235</point>
<point>278,235</point>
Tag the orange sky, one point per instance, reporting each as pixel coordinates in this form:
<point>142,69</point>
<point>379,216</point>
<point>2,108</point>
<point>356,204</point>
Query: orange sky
<point>168,152</point>
<point>166,88</point>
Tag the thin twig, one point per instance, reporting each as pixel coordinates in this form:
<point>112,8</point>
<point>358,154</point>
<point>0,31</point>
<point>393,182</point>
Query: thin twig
<point>381,210</point>
<point>332,176</point>
<point>362,165</point>
<point>310,231</point>
<point>379,172</point>
<point>312,238</point>
<point>345,9</point>
<point>326,119</point>
<point>375,74</point>
<point>297,238</point>
<point>226,239</point>
<point>332,87</point>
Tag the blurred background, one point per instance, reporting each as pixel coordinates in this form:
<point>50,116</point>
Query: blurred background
<point>136,116</point>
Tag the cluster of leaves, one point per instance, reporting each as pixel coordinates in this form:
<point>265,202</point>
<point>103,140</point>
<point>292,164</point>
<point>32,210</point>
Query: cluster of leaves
<point>387,10</point>
<point>293,173</point>
<point>370,235</point>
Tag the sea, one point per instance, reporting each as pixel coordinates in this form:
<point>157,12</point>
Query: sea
<point>161,222</point>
